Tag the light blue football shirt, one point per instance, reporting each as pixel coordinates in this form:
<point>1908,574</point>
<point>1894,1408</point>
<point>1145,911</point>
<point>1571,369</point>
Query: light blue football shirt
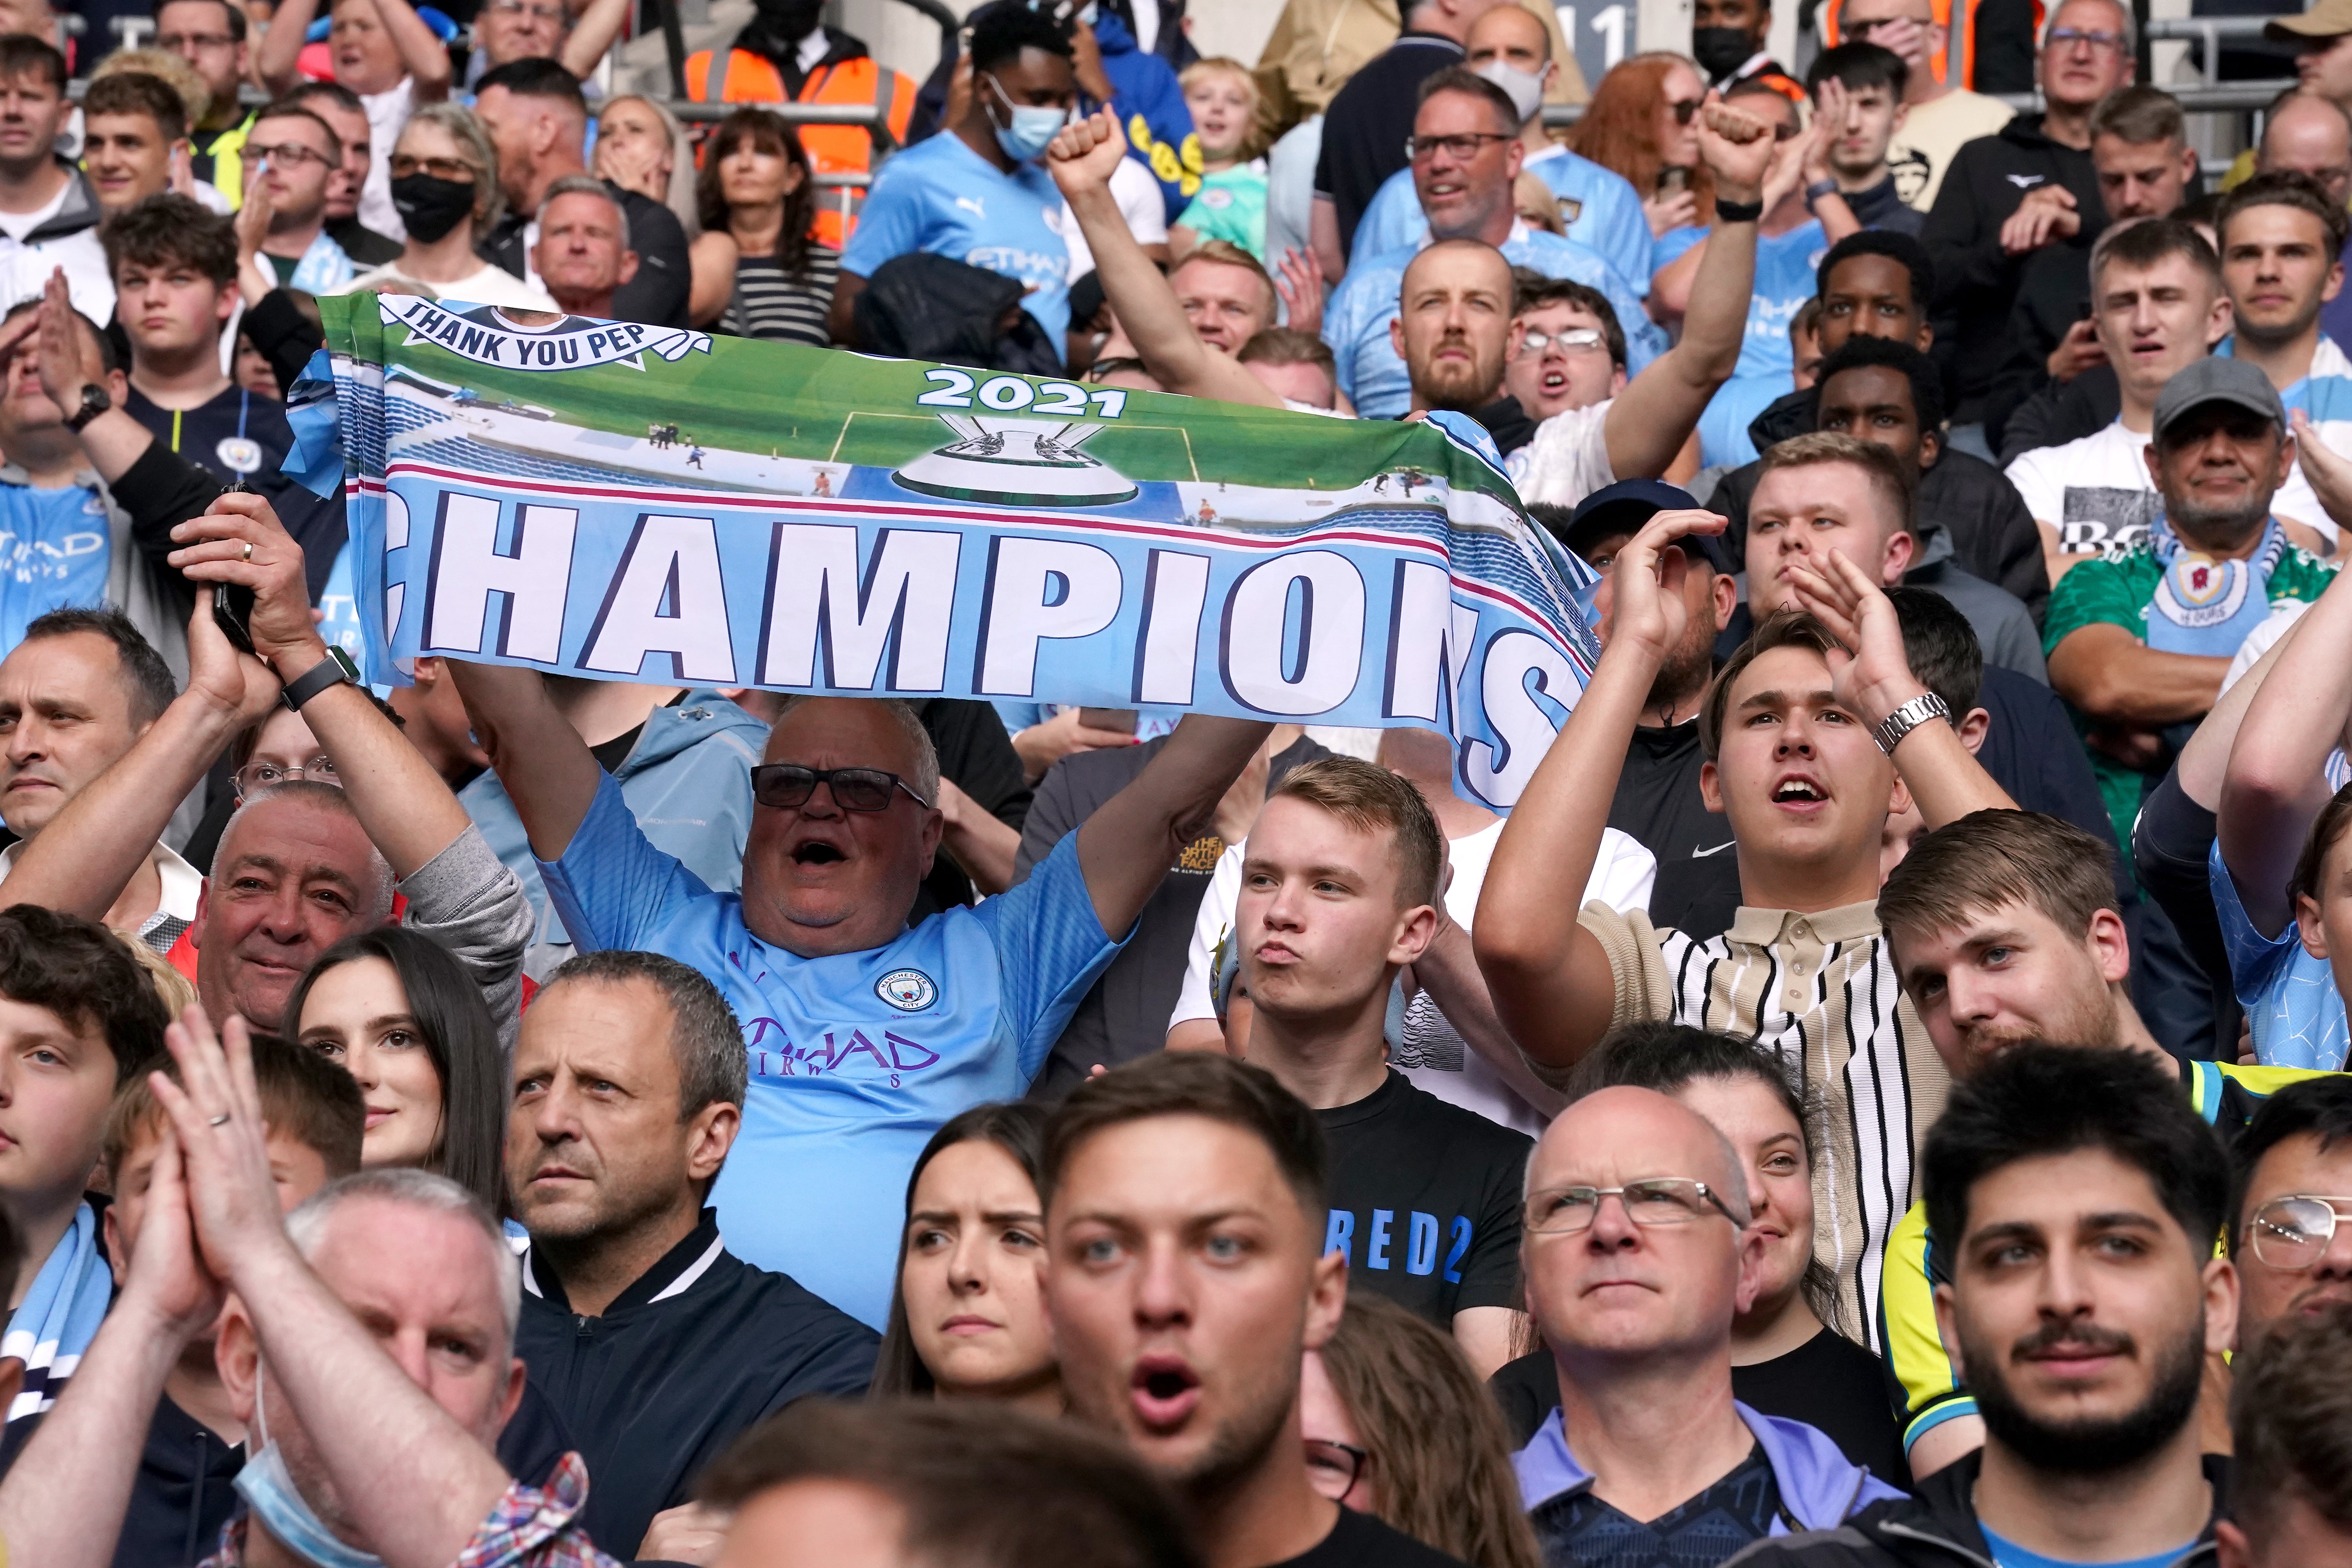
<point>856,1059</point>
<point>941,196</point>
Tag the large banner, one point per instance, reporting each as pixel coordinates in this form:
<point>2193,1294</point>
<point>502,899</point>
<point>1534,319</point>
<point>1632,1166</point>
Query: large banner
<point>634,503</point>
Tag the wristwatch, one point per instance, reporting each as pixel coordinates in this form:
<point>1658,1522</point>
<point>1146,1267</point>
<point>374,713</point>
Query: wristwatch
<point>1904,719</point>
<point>332,670</point>
<point>1818,189</point>
<point>94,402</point>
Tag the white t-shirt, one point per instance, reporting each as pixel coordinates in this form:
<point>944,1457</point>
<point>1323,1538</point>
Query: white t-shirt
<point>2097,494</point>
<point>1433,1053</point>
<point>387,114</point>
<point>1566,459</point>
<point>490,286</point>
<point>1139,203</point>
<point>17,225</point>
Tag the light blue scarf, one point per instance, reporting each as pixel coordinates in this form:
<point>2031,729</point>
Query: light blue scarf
<point>323,269</point>
<point>2208,607</point>
<point>60,1316</point>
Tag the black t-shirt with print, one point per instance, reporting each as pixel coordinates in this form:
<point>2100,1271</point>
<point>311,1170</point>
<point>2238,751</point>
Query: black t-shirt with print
<point>1360,1540</point>
<point>1425,1201</point>
<point>1717,1525</point>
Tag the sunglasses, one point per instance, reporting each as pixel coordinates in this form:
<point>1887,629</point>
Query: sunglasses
<point>1683,108</point>
<point>787,785</point>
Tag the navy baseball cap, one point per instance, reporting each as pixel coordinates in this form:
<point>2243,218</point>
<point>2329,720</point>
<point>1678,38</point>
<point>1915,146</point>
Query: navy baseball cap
<point>1622,509</point>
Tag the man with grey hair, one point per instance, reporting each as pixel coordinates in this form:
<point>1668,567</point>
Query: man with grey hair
<point>367,1342</point>
<point>582,254</point>
<point>656,1345</point>
<point>865,1034</point>
<point>1638,1254</point>
<point>302,864</point>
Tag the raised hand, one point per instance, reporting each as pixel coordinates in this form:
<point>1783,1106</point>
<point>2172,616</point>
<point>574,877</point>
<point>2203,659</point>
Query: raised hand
<point>235,682</point>
<point>1299,281</point>
<point>167,1280</point>
<point>240,541</point>
<point>1645,581</point>
<point>217,1118</point>
<point>67,366</point>
<point>1086,156</point>
<point>2329,471</point>
<point>1876,679</point>
<point>1738,149</point>
<point>1829,113</point>
<point>2078,351</point>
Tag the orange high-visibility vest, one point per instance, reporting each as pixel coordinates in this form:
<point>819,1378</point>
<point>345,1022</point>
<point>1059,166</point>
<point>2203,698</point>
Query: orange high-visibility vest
<point>1955,64</point>
<point>742,77</point>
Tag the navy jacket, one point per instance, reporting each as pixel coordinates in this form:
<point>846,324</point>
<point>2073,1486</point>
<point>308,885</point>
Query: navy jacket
<point>701,1347</point>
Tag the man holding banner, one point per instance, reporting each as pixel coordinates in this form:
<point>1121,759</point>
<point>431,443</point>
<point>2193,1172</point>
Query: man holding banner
<point>884,1032</point>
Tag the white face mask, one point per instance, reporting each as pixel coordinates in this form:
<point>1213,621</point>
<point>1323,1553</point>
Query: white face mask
<point>1526,87</point>
<point>269,1491</point>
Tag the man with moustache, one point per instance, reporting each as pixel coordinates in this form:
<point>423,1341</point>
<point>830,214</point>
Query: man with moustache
<point>1186,1277</point>
<point>2081,1197</point>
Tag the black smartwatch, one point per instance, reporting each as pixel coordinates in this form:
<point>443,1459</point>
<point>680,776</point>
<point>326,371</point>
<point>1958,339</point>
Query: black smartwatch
<point>94,402</point>
<point>332,670</point>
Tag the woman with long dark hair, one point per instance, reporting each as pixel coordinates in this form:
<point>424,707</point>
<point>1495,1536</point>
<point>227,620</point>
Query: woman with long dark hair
<point>967,1317</point>
<point>400,1013</point>
<point>757,192</point>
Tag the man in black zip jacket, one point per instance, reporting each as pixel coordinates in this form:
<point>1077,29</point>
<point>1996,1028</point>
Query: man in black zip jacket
<point>654,1344</point>
<point>2027,186</point>
<point>2083,1295</point>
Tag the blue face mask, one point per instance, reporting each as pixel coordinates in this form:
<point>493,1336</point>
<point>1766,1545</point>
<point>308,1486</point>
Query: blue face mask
<point>270,1493</point>
<point>1032,131</point>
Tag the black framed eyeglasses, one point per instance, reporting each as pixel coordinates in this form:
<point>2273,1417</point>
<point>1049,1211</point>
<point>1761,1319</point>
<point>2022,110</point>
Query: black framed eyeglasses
<point>1333,1469</point>
<point>2293,1232</point>
<point>787,785</point>
<point>1660,1200</point>
<point>1461,148</point>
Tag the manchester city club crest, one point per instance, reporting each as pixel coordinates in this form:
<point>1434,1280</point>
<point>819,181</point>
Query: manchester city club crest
<point>907,990</point>
<point>239,455</point>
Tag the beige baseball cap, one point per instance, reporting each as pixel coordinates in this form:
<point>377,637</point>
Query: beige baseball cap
<point>2327,20</point>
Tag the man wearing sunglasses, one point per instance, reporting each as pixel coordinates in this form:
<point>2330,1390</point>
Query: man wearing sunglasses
<point>865,1036</point>
<point>1638,1254</point>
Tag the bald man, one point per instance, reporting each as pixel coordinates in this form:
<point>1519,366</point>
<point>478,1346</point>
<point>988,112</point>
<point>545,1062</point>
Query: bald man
<point>1638,1253</point>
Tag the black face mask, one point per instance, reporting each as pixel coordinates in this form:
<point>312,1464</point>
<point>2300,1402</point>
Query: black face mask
<point>791,19</point>
<point>1719,51</point>
<point>431,207</point>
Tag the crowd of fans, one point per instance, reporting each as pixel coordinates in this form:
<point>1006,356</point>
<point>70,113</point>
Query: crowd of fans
<point>539,1120</point>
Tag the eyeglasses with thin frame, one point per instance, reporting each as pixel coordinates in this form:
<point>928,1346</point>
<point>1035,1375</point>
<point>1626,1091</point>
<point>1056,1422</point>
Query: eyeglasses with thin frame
<point>261,775</point>
<point>1657,1201</point>
<point>456,170</point>
<point>1573,340</point>
<point>1461,148</point>
<point>2293,1232</point>
<point>2067,37</point>
<point>787,785</point>
<point>1334,1468</point>
<point>291,154</point>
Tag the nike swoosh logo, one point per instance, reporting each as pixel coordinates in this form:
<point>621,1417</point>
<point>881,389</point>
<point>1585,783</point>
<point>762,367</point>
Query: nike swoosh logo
<point>2025,182</point>
<point>1703,854</point>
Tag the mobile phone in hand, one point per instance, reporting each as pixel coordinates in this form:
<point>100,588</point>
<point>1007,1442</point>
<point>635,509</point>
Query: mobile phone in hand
<point>232,601</point>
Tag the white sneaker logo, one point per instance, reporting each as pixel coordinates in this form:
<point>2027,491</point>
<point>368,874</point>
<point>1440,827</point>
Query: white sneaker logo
<point>2023,181</point>
<point>1698,854</point>
<point>972,205</point>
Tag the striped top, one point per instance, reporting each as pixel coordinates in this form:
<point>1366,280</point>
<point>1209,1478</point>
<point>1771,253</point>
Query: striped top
<point>770,303</point>
<point>1819,988</point>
